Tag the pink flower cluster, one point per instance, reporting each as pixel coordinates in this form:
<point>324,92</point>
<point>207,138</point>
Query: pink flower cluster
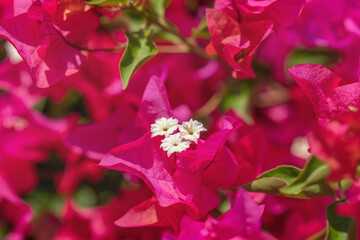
<point>98,137</point>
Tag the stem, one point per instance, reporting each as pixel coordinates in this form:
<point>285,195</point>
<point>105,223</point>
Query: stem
<point>164,25</point>
<point>341,191</point>
<point>117,48</point>
<point>211,104</point>
<point>319,235</point>
<point>114,49</point>
<point>172,49</point>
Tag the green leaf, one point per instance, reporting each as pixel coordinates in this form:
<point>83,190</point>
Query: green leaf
<point>139,49</point>
<point>271,181</point>
<point>315,172</point>
<point>353,109</point>
<point>160,35</point>
<point>202,30</point>
<point>358,170</point>
<point>105,2</point>
<point>240,103</point>
<point>316,190</point>
<point>321,56</point>
<point>40,106</point>
<point>339,227</point>
<point>85,197</point>
<point>224,206</point>
<point>159,6</point>
<point>293,182</point>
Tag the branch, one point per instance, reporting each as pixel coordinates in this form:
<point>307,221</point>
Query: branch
<point>164,25</point>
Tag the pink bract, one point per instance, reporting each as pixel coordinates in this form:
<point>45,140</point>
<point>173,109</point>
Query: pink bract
<point>14,210</point>
<point>322,88</point>
<point>352,207</point>
<point>236,49</point>
<point>173,180</point>
<point>26,139</point>
<point>50,40</point>
<point>237,223</point>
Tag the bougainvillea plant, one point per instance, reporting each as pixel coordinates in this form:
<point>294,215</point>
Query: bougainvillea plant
<point>179,119</point>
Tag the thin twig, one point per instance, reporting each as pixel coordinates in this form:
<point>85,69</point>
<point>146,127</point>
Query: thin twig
<point>81,48</point>
<point>172,49</point>
<point>341,191</point>
<point>211,104</point>
<point>162,23</point>
<point>319,235</point>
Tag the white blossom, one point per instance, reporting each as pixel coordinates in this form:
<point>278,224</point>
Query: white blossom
<point>174,143</point>
<point>16,123</point>
<point>190,130</point>
<point>12,53</point>
<point>164,126</point>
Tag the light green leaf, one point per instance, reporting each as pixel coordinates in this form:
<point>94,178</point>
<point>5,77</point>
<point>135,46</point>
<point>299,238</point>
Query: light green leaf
<point>339,227</point>
<point>321,56</point>
<point>317,190</point>
<point>134,21</point>
<point>159,6</point>
<point>272,180</point>
<point>315,172</point>
<point>240,103</point>
<point>163,36</point>
<point>201,30</point>
<point>85,197</point>
<point>293,182</point>
<point>139,49</point>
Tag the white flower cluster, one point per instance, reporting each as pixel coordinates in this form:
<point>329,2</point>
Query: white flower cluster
<point>188,132</point>
<point>13,122</point>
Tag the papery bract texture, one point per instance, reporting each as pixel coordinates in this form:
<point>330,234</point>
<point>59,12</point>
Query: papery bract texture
<point>281,12</point>
<point>322,88</point>
<point>242,221</point>
<point>173,179</point>
<point>26,138</point>
<point>235,42</point>
<point>41,46</point>
<point>15,211</point>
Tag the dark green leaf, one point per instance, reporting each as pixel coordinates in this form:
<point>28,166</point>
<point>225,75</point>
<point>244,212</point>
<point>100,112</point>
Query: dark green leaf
<point>39,106</point>
<point>339,227</point>
<point>139,49</point>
